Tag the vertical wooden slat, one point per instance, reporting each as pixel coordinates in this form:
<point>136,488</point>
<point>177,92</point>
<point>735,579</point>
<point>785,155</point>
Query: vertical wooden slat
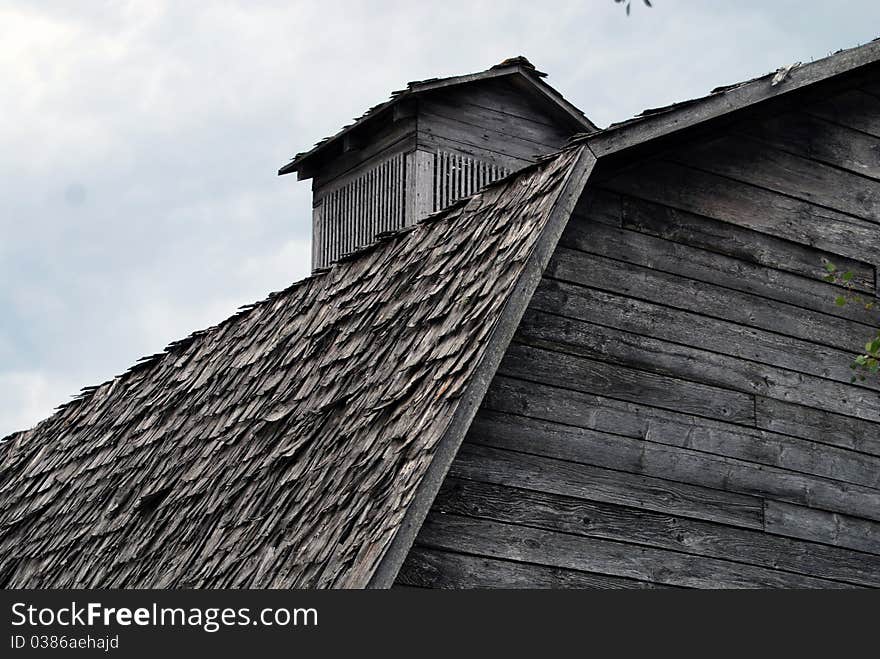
<point>393,188</point>
<point>465,162</point>
<point>331,226</point>
<point>456,179</point>
<point>349,232</point>
<point>444,179</point>
<point>369,204</point>
<point>392,191</point>
<point>376,194</point>
<point>361,210</point>
<point>436,179</point>
<point>382,192</point>
<point>337,215</point>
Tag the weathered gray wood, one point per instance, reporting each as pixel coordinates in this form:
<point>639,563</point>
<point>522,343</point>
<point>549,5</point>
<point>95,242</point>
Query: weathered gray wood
<point>435,143</point>
<point>816,138</point>
<point>683,465</point>
<point>592,376</point>
<point>822,526</point>
<point>517,469</point>
<point>708,299</point>
<point>430,568</point>
<point>519,543</point>
<point>599,205</point>
<point>702,265</point>
<point>420,186</point>
<point>398,137</point>
<point>611,522</point>
<point>502,96</point>
<point>476,109</point>
<point>655,356</point>
<point>750,206</point>
<point>433,128</point>
<point>853,108</point>
<point>818,425</point>
<point>749,161</point>
<point>735,241</point>
<point>721,336</point>
<point>677,399</point>
<point>714,437</point>
<point>570,180</point>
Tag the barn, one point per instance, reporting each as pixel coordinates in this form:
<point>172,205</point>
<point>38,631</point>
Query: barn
<point>532,353</point>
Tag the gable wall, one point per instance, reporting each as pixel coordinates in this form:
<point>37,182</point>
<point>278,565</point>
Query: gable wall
<point>494,122</point>
<point>452,143</point>
<point>676,408</point>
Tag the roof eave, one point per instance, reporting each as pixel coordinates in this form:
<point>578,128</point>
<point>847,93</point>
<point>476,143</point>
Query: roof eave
<point>301,162</point>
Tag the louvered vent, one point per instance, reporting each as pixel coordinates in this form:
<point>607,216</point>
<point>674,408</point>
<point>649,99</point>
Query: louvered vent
<point>353,215</point>
<point>395,193</point>
<point>457,176</point>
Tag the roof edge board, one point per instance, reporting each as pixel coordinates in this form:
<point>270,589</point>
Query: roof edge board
<point>641,130</point>
<point>542,89</point>
<point>569,108</point>
<point>518,300</point>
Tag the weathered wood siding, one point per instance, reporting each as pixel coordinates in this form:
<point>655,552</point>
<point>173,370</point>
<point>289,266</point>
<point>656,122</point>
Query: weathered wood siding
<point>449,144</point>
<point>493,122</point>
<point>676,409</point>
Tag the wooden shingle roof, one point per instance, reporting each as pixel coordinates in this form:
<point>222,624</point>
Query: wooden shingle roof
<point>285,446</point>
<point>300,442</point>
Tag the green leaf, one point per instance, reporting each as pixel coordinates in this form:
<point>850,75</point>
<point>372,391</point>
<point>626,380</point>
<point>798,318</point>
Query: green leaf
<point>847,276</point>
<point>840,301</point>
<point>830,267</point>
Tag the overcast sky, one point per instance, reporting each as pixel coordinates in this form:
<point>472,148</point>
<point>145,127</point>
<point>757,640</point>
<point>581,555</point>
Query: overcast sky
<point>139,141</point>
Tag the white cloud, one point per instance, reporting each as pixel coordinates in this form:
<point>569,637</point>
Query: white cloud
<point>29,396</point>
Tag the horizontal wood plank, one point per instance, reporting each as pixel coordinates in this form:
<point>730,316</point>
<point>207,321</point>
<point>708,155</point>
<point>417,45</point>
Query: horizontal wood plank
<point>853,108</point>
<point>468,111</point>
<point>519,543</point>
<point>738,242</point>
<point>713,334</point>
<point>750,161</point>
<point>713,268</point>
<point>654,356</point>
<point>822,526</point>
<point>751,206</point>
<point>674,429</point>
<point>815,138</point>
<point>611,522</point>
<point>818,425</point>
<point>432,126</point>
<point>428,142</point>
<point>699,297</point>
<point>682,465</point>
<point>431,568</point>
<point>504,467</point>
<point>597,377</point>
